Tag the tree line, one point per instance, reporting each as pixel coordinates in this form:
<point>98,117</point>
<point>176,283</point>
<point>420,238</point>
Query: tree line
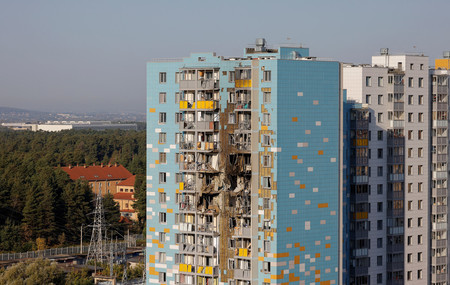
<point>39,202</point>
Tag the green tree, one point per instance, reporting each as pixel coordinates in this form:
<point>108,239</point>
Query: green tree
<point>112,213</point>
<point>140,195</point>
<point>39,271</point>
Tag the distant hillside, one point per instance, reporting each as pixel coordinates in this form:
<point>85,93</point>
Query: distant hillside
<point>8,115</point>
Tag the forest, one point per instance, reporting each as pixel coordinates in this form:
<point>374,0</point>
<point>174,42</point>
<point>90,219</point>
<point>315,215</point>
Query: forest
<point>39,205</point>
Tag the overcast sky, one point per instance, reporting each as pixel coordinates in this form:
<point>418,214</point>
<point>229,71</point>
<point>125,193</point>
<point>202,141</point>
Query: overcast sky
<point>90,55</point>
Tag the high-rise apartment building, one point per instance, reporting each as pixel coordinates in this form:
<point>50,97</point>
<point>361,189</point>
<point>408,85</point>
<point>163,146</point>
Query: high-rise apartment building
<point>398,137</point>
<point>245,169</point>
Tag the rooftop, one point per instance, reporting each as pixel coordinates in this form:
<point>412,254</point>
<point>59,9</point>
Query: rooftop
<point>128,182</point>
<point>97,172</point>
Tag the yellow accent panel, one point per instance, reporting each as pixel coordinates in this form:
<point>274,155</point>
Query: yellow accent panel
<point>276,277</point>
<point>160,245</point>
<point>320,152</point>
<point>297,259</point>
<point>152,110</point>
<point>281,255</point>
<point>200,269</point>
<point>181,185</point>
<point>207,105</point>
<point>302,186</point>
<point>243,252</point>
<point>325,282</point>
<point>169,210</point>
<point>260,258</point>
<point>156,161</point>
<point>160,190</point>
<point>152,271</point>
<point>243,83</point>
<point>289,229</point>
<point>209,270</point>
<point>361,142</point>
<point>155,241</point>
<point>151,259</point>
<point>264,128</point>
<point>442,63</point>
<point>294,119</point>
<point>302,248</point>
<point>152,229</point>
<point>360,215</point>
<point>328,245</point>
<point>322,205</point>
<point>317,255</point>
<point>167,230</point>
<point>267,280</point>
<point>292,278</point>
<point>294,157</point>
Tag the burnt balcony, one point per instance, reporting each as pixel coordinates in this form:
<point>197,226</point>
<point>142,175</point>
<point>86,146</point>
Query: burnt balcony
<point>242,232</point>
<point>187,207</point>
<point>206,249</point>
<point>243,106</point>
<point>207,228</point>
<point>244,274</point>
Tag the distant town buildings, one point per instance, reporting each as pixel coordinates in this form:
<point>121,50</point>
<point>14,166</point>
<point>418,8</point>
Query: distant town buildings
<point>57,126</point>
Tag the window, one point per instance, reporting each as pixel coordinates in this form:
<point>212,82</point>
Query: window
<point>368,81</point>
<point>420,204</point>
<point>162,237</point>
<point>266,266</point>
<point>420,117</point>
<point>177,77</point>
<point>162,197</point>
<point>410,152</point>
<point>410,117</point>
<point>410,186</point>
<point>232,97</point>
<point>410,223</point>
<point>267,75</point>
<point>409,275</point>
<point>178,117</point>
<point>380,278</point>
<point>267,161</point>
<point>410,99</point>
<point>409,240</point>
<point>420,222</point>
<point>232,118</point>
<point>410,205</point>
<point>419,239</point>
<point>266,140</point>
<point>419,274</point>
<point>420,169</point>
<point>421,66</point>
<point>380,135</point>
<point>380,82</point>
<point>266,203</point>
<point>266,119</point>
<point>162,277</point>
<point>419,187</point>
<point>162,177</point>
<point>420,134</point>
<point>267,97</point>
<point>420,99</point>
<point>231,263</point>
<point>390,79</point>
<point>266,245</point>
<point>177,97</point>
<point>380,99</point>
<point>420,82</point>
<point>410,135</point>
<point>267,183</point>
<point>368,99</point>
<point>162,77</point>
<point>409,257</point>
<point>162,98</point>
<point>162,138</point>
<point>162,217</point>
<point>411,66</point>
<point>419,256</point>
<point>178,177</point>
<point>380,171</point>
<point>380,153</point>
<point>162,118</point>
<point>380,117</point>
<point>380,189</point>
<point>379,225</point>
<point>379,242</point>
<point>231,76</point>
<point>379,260</point>
<point>162,157</point>
<point>410,82</point>
<point>380,207</point>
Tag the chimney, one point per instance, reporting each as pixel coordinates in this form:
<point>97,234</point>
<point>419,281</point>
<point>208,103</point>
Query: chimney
<point>101,164</point>
<point>85,165</point>
<point>70,166</point>
<point>115,164</point>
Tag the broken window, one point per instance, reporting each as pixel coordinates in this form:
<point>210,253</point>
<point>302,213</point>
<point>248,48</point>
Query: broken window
<point>267,183</point>
<point>231,264</point>
<point>232,118</point>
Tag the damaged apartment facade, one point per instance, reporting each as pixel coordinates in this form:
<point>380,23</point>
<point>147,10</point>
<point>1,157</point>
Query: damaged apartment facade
<point>244,169</point>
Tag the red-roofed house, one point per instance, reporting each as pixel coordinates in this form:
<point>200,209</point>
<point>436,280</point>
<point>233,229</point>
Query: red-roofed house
<point>125,198</point>
<point>101,178</point>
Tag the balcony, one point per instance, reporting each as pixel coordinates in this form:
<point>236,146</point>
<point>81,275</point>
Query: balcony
<point>189,145</point>
<point>439,260</point>
<point>439,209</point>
<point>197,166</point>
<point>439,174</point>
<point>439,192</point>
<point>186,227</point>
<point>186,248</point>
<point>360,179</point>
<point>242,232</point>
<point>439,277</point>
<point>187,126</point>
<point>207,228</point>
<point>207,105</point>
<point>245,274</point>
<point>208,146</point>
<point>360,124</point>
<point>206,249</point>
<point>395,230</point>
<point>396,177</point>
<point>396,159</point>
<point>199,126</point>
<point>243,106</point>
<point>391,248</point>
<point>208,270</point>
<point>399,106</point>
<point>243,253</point>
<point>439,226</point>
<point>440,106</point>
<point>246,126</point>
<point>440,123</point>
<point>187,268</point>
<point>397,124</point>
<point>187,185</point>
<point>438,243</point>
<point>395,266</point>
<point>187,207</point>
<point>243,83</point>
<point>439,140</point>
<point>201,84</point>
<point>396,141</point>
